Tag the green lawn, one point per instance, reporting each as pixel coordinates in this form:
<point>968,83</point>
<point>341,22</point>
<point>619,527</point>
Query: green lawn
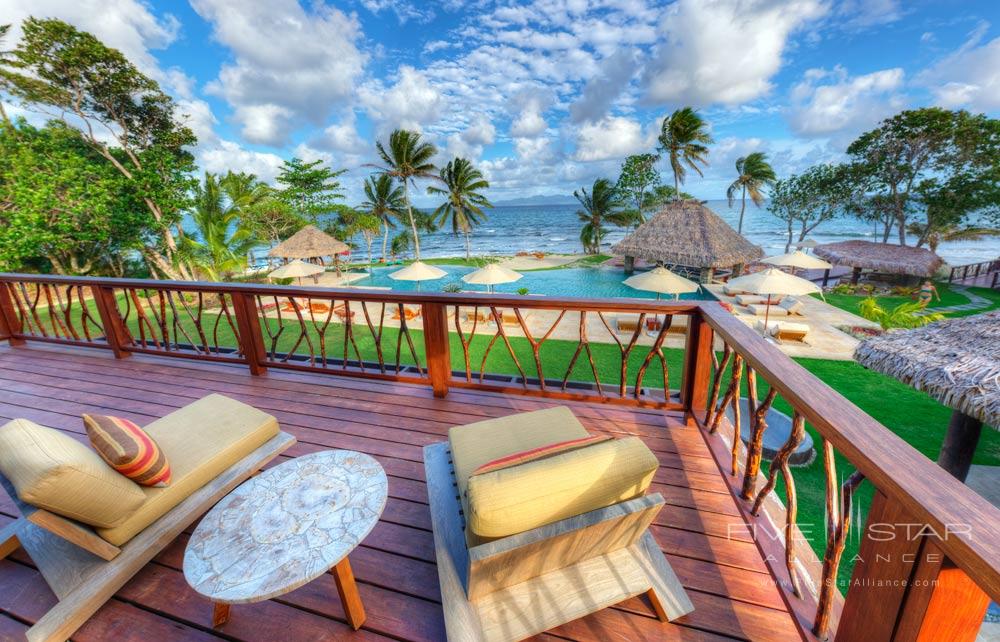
<point>949,297</point>
<point>912,415</point>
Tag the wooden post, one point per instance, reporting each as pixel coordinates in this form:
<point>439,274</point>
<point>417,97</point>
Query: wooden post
<point>629,264</point>
<point>251,339</point>
<point>436,347</point>
<point>10,325</point>
<point>697,364</point>
<point>826,276</point>
<point>855,276</point>
<point>903,588</point>
<point>115,332</point>
<point>959,444</point>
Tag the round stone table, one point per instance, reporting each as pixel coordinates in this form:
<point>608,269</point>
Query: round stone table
<point>286,527</point>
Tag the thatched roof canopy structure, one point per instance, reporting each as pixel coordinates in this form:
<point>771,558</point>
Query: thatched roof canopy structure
<point>956,361</point>
<point>309,242</point>
<point>881,257</point>
<point>688,233</point>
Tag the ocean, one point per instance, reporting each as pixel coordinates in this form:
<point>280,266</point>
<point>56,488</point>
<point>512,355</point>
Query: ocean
<point>556,229</point>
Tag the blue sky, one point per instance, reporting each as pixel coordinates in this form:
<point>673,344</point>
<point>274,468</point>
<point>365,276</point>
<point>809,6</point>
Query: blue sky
<point>544,96</point>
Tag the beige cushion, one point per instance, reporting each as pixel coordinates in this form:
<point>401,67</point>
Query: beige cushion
<point>787,327</point>
<point>519,498</point>
<point>730,290</point>
<point>200,440</point>
<point>760,309</point>
<point>748,299</point>
<point>794,306</point>
<point>51,470</point>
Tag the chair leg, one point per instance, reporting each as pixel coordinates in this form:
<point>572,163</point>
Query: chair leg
<point>661,613</point>
<point>8,545</point>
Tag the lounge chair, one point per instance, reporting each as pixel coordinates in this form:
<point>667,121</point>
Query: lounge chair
<point>543,541</point>
<point>755,299</point>
<point>481,317</point>
<point>90,529</point>
<point>764,310</point>
<point>786,331</point>
<point>626,324</point>
<point>510,318</point>
<point>411,312</point>
<point>733,291</point>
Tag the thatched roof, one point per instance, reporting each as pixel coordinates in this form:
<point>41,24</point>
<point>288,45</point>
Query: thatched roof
<point>956,361</point>
<point>881,257</point>
<point>690,234</point>
<point>307,243</point>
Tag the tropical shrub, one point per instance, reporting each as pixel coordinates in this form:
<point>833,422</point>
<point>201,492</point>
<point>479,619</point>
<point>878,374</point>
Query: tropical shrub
<point>904,315</point>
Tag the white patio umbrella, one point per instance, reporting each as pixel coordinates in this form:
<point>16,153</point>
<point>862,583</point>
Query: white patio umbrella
<point>798,259</point>
<point>418,271</point>
<point>662,281</point>
<point>774,281</point>
<point>491,275</point>
<point>296,269</point>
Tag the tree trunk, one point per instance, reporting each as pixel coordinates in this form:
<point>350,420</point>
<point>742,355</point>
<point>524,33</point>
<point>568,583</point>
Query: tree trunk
<point>385,239</point>
<point>468,247</point>
<point>413,223</point>
<point>887,230</point>
<point>677,183</point>
<point>743,209</point>
<point>788,244</point>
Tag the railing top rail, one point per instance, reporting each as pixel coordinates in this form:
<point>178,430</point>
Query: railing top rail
<point>967,523</point>
<point>375,296</point>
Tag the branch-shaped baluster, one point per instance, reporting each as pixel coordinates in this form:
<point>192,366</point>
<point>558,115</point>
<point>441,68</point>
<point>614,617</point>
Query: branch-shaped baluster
<point>404,331</point>
<point>536,346</point>
<point>58,330</point>
<point>160,318</point>
<point>274,336</point>
<point>228,316</point>
<point>732,392</point>
<point>780,463</point>
<point>66,322</point>
<point>23,324</point>
<point>377,336</point>
<point>33,307</point>
<point>624,349</point>
<point>584,344</point>
<point>656,350</point>
<point>196,318</point>
<point>466,343</point>
<point>179,329</point>
<point>322,333</point>
<point>838,523</point>
<point>349,335</point>
<point>501,334</point>
<point>720,369</point>
<point>758,424</point>
<point>86,315</point>
<point>303,334</point>
<point>142,321</point>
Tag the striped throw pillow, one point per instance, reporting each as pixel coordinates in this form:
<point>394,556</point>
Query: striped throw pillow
<point>525,456</point>
<point>128,449</point>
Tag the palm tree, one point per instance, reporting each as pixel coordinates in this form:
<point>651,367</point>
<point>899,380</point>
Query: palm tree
<point>406,160</point>
<point>949,232</point>
<point>464,203</point>
<point>753,174</point>
<point>220,245</point>
<point>385,202</point>
<point>905,315</point>
<point>599,205</point>
<point>684,138</point>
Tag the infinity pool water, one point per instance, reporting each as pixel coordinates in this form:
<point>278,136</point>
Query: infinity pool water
<point>578,282</point>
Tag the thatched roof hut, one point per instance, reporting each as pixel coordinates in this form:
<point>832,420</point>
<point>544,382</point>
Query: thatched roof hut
<point>881,257</point>
<point>688,233</point>
<point>956,361</point>
<point>308,243</point>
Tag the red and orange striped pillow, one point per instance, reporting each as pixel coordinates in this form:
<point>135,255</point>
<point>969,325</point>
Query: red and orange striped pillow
<point>128,449</point>
<point>532,454</point>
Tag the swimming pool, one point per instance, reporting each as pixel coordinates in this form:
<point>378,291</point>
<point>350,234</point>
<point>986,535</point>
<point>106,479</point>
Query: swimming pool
<point>602,282</point>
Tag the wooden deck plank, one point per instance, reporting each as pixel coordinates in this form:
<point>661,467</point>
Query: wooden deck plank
<point>700,529</point>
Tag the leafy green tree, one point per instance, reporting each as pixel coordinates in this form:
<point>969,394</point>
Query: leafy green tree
<point>220,244</point>
<point>811,198</point>
<point>904,315</point>
<point>271,219</point>
<point>77,79</point>
<point>754,173</point>
<point>385,202</point>
<point>63,204</point>
<point>638,177</point>
<point>948,233</point>
<point>400,244</point>
<point>913,147</point>
<point>684,138</point>
<point>364,223</point>
<point>600,205</point>
<point>407,159</point>
<point>311,189</point>
<point>464,203</point>
<point>660,196</point>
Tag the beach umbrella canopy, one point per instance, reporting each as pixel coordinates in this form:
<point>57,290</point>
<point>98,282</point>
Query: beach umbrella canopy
<point>773,281</point>
<point>662,281</point>
<point>491,275</point>
<point>296,269</point>
<point>798,259</point>
<point>418,271</point>
<point>309,242</point>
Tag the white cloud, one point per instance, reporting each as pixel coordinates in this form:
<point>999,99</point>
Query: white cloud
<point>404,10</point>
<point>291,65</point>
<point>470,142</point>
<point>969,77</point>
<point>411,103</point>
<point>229,155</point>
<point>829,102</point>
<point>529,105</point>
<point>611,138</point>
<point>343,136</point>
<point>601,90</point>
<point>864,14</point>
<point>723,51</point>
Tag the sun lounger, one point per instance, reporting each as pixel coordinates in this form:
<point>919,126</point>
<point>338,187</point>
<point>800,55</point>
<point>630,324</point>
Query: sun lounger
<point>482,316</point>
<point>760,310</point>
<point>411,312</point>
<point>733,291</point>
<point>785,330</point>
<point>547,541</point>
<point>626,324</point>
<point>211,445</point>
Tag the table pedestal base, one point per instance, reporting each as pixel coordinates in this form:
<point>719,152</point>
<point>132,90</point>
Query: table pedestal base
<point>220,614</point>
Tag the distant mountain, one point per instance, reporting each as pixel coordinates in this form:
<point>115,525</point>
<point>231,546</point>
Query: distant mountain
<point>550,199</point>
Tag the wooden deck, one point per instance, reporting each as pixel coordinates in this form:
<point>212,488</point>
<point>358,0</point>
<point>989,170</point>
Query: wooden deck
<point>700,530</point>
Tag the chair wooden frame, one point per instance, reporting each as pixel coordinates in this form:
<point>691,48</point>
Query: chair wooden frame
<point>549,575</point>
<point>83,570</point>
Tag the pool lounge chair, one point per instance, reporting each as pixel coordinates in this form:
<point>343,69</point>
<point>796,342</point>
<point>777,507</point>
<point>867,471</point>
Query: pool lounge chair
<point>110,527</point>
<point>626,324</point>
<point>532,544</point>
<point>785,331</point>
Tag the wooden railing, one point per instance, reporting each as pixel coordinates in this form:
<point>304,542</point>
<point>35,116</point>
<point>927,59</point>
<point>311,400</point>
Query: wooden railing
<point>962,272</point>
<point>929,555</point>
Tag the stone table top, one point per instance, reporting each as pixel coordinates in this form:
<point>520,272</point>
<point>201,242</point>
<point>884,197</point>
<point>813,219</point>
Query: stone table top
<point>285,527</point>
